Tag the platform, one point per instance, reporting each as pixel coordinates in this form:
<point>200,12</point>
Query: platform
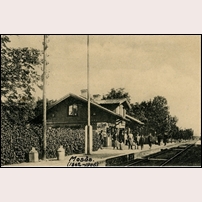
<point>102,158</point>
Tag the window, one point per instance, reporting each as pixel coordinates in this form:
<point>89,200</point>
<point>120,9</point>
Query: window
<point>73,110</point>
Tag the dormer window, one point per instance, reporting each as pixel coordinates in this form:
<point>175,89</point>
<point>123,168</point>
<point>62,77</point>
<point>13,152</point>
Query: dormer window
<point>73,110</point>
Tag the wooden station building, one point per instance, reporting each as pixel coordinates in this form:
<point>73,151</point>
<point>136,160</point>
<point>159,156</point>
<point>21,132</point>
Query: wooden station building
<point>72,111</point>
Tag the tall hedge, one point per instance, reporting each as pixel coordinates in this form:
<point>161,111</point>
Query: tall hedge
<point>18,140</point>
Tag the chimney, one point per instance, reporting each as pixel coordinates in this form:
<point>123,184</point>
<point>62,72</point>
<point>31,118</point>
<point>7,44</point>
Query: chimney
<point>84,93</point>
<point>97,97</point>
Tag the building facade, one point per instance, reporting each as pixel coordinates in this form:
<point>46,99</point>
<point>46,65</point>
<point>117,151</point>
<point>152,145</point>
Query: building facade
<point>107,115</point>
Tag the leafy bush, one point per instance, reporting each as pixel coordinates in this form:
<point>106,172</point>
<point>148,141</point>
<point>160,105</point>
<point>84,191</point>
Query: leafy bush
<point>73,141</point>
<point>96,141</point>
<point>18,140</point>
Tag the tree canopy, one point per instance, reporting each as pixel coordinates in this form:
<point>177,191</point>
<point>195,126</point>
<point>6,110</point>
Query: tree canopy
<point>18,72</point>
<point>38,110</point>
<point>117,93</point>
<point>154,113</point>
<point>156,116</point>
<point>19,77</point>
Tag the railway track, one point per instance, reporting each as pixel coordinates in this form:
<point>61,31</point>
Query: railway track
<point>161,159</point>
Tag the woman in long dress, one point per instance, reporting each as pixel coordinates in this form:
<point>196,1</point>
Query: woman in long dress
<point>114,140</point>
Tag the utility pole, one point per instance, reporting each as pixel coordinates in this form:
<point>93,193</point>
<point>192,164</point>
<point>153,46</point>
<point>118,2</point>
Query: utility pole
<point>44,97</point>
<point>88,129</point>
<point>88,77</point>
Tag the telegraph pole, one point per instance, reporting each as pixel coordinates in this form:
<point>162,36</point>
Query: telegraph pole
<point>88,87</point>
<point>44,98</point>
<point>89,127</point>
<point>88,77</point>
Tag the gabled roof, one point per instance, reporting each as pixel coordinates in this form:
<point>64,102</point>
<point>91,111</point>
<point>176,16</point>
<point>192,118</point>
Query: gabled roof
<point>83,99</point>
<point>114,101</point>
<point>93,103</point>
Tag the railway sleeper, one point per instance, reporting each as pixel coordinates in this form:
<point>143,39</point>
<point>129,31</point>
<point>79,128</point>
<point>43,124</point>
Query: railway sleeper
<point>154,157</point>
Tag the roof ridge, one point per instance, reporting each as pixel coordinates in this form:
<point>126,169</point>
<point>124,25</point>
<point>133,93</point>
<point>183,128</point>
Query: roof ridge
<point>133,118</point>
<point>92,101</point>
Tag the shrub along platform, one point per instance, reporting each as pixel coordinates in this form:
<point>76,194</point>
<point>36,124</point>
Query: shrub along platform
<point>17,141</point>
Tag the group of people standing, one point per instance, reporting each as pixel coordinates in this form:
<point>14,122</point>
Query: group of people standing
<point>135,141</point>
<point>126,137</point>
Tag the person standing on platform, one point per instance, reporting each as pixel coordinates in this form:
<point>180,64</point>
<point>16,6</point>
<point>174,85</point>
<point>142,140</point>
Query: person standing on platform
<point>125,138</point>
<point>164,139</point>
<point>122,136</point>
<point>150,140</point>
<point>138,140</point>
<point>130,139</point>
<point>134,141</point>
<point>159,139</point>
<point>114,140</point>
<point>141,141</point>
<point>101,139</point>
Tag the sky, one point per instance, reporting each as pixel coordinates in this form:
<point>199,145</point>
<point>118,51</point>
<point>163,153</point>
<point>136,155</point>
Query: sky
<point>145,65</point>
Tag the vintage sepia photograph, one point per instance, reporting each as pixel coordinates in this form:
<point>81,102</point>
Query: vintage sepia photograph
<point>101,101</point>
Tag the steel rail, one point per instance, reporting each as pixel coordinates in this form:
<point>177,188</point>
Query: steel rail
<point>152,156</point>
<point>176,155</point>
<point>147,157</point>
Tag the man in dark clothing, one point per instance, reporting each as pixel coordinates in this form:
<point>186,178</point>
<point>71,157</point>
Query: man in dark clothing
<point>138,140</point>
<point>114,140</point>
<point>164,139</point>
<point>159,139</point>
<point>150,140</point>
<point>141,141</point>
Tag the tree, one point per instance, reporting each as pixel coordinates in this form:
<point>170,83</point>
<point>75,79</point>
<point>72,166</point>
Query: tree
<point>38,110</point>
<point>117,94</point>
<point>187,134</point>
<point>172,127</point>
<point>154,113</point>
<point>160,115</point>
<point>19,78</point>
<point>18,71</point>
<point>138,111</point>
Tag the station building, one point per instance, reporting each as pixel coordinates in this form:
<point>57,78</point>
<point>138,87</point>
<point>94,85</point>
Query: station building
<point>107,115</point>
